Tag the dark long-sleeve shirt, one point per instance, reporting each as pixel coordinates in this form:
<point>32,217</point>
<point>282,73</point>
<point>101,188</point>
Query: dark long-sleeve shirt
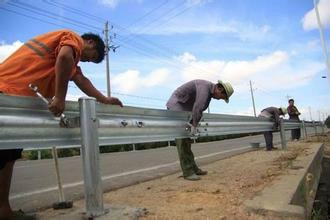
<point>271,112</point>
<point>293,113</point>
<point>194,96</point>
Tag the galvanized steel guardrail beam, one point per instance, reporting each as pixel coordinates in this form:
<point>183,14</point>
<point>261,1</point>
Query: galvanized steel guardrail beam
<point>25,122</point>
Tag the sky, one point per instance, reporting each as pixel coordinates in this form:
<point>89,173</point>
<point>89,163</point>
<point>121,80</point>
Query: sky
<point>275,44</point>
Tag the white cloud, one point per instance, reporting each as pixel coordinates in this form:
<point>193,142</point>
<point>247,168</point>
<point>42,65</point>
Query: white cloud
<point>187,58</point>
<point>273,73</point>
<point>234,71</point>
<point>205,24</point>
<point>110,3</point>
<point>8,49</point>
<point>115,3</point>
<point>309,20</point>
<point>131,80</point>
<point>198,2</point>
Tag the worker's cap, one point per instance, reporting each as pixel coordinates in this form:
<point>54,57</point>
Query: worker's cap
<point>284,110</point>
<point>228,89</point>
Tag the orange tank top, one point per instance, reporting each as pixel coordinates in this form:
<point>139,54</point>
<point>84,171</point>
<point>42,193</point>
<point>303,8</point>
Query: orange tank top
<point>34,62</point>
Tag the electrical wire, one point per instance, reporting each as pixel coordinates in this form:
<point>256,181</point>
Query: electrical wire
<point>34,18</point>
<point>147,14</point>
<point>51,15</point>
<point>74,10</point>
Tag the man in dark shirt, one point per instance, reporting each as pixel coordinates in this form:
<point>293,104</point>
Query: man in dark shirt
<point>294,115</point>
<point>195,96</point>
<point>273,113</point>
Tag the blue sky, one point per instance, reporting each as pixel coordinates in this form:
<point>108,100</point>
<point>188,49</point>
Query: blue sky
<point>273,43</point>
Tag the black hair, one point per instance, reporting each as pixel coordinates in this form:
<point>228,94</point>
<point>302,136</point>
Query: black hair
<point>291,100</point>
<point>99,45</point>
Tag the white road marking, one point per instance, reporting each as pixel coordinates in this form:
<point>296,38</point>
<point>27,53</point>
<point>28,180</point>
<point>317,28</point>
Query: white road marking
<point>75,184</point>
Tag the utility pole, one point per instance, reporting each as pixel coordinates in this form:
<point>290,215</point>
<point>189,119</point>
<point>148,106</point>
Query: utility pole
<point>107,51</point>
<point>254,107</point>
<point>310,112</point>
<point>325,50</point>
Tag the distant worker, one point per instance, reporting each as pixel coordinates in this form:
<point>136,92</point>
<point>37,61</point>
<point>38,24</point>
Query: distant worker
<point>195,96</point>
<point>47,61</point>
<point>273,113</point>
<point>294,115</point>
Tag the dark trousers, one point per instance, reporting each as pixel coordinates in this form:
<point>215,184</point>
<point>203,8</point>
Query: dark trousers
<point>269,139</point>
<point>186,156</point>
<point>295,134</point>
<point>9,155</point>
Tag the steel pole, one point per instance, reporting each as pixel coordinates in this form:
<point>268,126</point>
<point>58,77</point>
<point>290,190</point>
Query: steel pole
<point>107,51</point>
<point>254,107</point>
<point>90,157</point>
<point>304,130</point>
<point>282,133</point>
<point>315,128</point>
<point>324,45</point>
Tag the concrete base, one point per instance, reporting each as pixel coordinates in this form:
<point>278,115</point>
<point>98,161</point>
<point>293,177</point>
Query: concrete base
<point>113,212</point>
<point>292,196</point>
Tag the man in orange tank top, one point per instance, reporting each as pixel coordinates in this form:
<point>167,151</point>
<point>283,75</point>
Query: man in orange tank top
<point>48,61</point>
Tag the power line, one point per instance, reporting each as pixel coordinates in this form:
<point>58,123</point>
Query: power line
<point>148,13</point>
<point>164,14</point>
<point>36,10</point>
<point>142,52</point>
<point>124,94</point>
<point>154,45</point>
<point>169,56</point>
<point>74,10</point>
<point>51,15</point>
<point>44,21</point>
<point>140,97</point>
<point>28,16</point>
<point>170,18</point>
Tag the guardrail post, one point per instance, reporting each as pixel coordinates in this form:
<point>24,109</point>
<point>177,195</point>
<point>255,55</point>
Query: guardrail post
<point>305,130</point>
<point>90,157</point>
<point>315,128</point>
<point>282,133</point>
<point>302,129</point>
<point>322,126</point>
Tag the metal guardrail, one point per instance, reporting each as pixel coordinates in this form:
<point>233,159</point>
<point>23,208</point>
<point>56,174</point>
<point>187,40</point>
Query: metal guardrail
<point>116,125</point>
<point>25,122</point>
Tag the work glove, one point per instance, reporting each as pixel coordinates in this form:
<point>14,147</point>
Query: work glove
<point>192,129</point>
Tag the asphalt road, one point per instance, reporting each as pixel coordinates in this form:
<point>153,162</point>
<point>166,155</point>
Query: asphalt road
<point>34,183</point>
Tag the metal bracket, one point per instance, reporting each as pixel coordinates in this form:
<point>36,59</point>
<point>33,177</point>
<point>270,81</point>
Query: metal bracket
<point>70,122</point>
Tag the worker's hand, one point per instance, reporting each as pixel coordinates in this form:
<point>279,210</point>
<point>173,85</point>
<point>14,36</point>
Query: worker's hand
<point>193,130</point>
<point>56,106</point>
<point>112,101</point>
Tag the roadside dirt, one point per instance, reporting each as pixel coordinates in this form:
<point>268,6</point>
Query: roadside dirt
<point>219,195</point>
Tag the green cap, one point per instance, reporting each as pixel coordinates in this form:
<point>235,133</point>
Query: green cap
<point>228,89</point>
<point>284,110</point>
